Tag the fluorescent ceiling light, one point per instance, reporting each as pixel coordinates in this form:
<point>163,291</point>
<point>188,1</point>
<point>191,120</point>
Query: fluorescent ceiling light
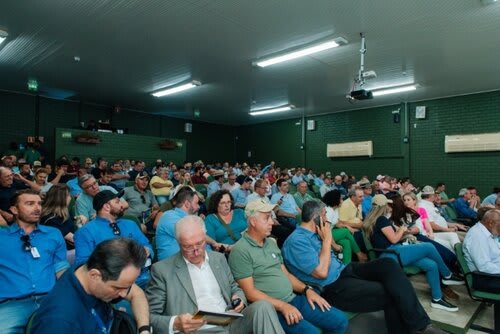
<point>176,89</point>
<point>301,53</point>
<point>272,110</point>
<point>3,35</point>
<point>394,90</point>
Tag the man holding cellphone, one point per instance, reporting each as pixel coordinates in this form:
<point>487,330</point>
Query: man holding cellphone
<point>357,287</point>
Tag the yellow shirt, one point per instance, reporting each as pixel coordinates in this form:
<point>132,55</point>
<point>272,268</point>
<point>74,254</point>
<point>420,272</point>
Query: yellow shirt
<point>348,212</point>
<point>165,191</point>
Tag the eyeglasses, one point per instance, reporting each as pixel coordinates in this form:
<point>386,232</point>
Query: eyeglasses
<point>94,184</point>
<point>115,228</point>
<point>143,199</point>
<point>26,243</point>
<point>226,203</point>
<point>196,247</point>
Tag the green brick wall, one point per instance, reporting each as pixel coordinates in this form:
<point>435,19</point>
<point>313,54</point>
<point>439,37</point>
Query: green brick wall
<point>113,146</point>
<point>479,113</point>
<point>18,112</point>
<point>272,141</point>
<point>422,158</point>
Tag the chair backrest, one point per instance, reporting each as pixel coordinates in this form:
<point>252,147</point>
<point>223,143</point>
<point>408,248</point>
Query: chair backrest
<point>459,251</point>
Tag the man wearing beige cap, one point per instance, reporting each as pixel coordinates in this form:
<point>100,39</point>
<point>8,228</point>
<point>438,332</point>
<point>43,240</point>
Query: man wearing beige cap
<point>257,266</point>
<point>216,184</point>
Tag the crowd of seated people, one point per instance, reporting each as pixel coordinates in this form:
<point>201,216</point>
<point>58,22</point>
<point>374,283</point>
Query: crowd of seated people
<point>293,243</point>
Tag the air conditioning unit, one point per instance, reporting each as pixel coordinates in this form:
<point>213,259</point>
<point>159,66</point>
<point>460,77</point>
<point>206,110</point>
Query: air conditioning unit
<point>353,149</point>
<point>472,143</point>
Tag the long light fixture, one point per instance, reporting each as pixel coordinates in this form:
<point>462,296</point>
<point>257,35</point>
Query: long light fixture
<point>394,90</point>
<point>176,89</point>
<point>257,112</point>
<point>301,52</point>
<point>3,35</point>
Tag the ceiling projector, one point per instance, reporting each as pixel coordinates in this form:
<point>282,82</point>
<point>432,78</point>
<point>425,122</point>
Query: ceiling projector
<point>361,94</point>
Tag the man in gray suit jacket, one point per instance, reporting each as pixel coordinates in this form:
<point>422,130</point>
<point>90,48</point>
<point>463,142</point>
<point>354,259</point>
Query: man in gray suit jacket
<point>195,280</point>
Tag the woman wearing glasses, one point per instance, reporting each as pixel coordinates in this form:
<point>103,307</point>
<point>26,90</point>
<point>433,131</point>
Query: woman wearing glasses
<point>224,223</point>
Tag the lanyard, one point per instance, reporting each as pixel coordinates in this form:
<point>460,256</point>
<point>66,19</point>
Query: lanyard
<point>104,329</point>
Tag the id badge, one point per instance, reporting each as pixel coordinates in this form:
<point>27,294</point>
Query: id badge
<point>34,253</point>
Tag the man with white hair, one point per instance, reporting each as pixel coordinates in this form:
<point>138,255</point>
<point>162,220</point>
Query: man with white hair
<point>465,205</point>
<point>257,266</point>
<point>193,280</point>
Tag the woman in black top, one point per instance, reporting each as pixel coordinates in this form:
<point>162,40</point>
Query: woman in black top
<point>386,235</point>
<point>55,213</point>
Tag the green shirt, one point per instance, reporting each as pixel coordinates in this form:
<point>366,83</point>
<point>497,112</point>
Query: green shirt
<point>263,264</point>
<point>300,200</point>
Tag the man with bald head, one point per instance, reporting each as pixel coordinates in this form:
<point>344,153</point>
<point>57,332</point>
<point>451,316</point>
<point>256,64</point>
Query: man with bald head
<point>482,251</point>
<point>194,280</point>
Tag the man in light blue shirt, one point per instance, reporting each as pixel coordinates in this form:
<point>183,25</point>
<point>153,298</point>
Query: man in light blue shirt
<point>240,195</point>
<point>108,225</point>
<point>33,257</point>
<point>216,184</point>
<point>74,188</point>
<point>298,177</point>
<point>187,203</point>
<point>288,207</point>
<point>366,203</point>
<point>489,201</point>
<point>358,287</point>
<point>482,251</point>
<point>90,188</point>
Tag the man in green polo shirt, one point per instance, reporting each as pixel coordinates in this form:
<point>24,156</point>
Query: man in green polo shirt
<point>302,196</point>
<point>257,266</point>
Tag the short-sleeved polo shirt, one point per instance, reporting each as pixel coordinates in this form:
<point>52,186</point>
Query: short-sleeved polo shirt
<point>263,264</point>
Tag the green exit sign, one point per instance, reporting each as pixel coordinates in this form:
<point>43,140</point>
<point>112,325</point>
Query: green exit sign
<point>66,135</point>
<point>33,85</point>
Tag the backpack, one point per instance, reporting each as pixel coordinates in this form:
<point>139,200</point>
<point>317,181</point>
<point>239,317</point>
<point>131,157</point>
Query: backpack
<point>123,323</point>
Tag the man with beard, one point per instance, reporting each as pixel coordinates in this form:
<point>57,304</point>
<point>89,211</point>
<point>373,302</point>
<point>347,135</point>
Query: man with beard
<point>108,225</point>
<point>33,257</point>
<point>186,203</point>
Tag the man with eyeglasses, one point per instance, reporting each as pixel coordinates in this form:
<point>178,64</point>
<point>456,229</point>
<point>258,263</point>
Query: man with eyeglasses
<point>81,302</point>
<point>108,225</point>
<point>193,280</point>
<point>33,257</point>
<point>90,188</point>
<point>231,183</point>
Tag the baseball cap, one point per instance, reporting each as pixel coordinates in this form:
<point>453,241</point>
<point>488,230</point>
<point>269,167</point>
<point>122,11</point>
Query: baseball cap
<point>380,177</point>
<point>104,197</point>
<point>258,206</point>
<point>37,164</point>
<point>428,190</point>
<point>218,173</point>
<point>380,200</point>
<point>365,184</point>
<point>142,174</point>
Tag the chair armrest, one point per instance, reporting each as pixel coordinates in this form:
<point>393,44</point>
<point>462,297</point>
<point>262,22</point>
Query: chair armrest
<point>482,274</point>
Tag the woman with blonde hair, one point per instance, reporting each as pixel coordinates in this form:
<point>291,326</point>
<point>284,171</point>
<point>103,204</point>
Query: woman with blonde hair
<point>55,213</point>
<point>385,235</point>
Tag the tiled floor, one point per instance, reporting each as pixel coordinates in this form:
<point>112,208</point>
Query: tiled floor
<point>374,322</point>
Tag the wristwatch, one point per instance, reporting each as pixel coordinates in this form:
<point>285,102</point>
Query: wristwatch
<point>145,328</point>
<point>307,287</point>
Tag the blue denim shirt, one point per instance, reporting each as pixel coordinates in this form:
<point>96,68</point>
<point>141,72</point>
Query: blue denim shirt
<point>98,230</point>
<point>301,255</point>
<point>20,273</point>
